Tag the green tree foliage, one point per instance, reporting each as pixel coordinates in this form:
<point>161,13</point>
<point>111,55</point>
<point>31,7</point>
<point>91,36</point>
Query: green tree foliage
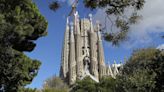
<point>85,85</point>
<point>28,90</point>
<point>20,25</point>
<point>17,70</point>
<point>118,9</point>
<point>106,84</point>
<point>55,84</point>
<point>54,90</point>
<point>143,72</point>
<point>54,6</point>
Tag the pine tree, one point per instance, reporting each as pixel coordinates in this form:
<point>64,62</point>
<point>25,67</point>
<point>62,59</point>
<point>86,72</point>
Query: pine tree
<point>20,25</point>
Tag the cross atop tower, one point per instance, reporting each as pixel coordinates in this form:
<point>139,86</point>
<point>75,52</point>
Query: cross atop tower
<point>73,10</point>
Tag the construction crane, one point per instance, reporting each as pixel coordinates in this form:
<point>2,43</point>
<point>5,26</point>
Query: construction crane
<point>73,10</point>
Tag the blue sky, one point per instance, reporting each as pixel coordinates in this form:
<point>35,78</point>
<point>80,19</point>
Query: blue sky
<point>49,48</point>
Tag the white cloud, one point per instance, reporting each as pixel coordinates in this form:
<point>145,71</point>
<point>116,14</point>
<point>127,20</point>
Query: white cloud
<point>152,22</point>
<point>161,47</point>
<point>153,16</point>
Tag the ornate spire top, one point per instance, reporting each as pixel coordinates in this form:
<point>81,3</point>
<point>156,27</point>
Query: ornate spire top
<point>76,14</point>
<point>73,10</point>
<point>90,17</point>
<point>91,24</point>
<point>67,20</point>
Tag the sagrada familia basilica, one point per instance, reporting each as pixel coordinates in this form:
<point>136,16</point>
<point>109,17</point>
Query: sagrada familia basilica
<point>83,53</point>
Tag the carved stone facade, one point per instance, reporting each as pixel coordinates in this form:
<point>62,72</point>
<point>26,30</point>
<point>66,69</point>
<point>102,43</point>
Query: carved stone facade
<point>83,53</point>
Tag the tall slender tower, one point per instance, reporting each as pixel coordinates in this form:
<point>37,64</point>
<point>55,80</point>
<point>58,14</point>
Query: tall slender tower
<point>65,54</point>
<point>102,68</point>
<point>79,60</point>
<point>72,62</point>
<point>92,38</point>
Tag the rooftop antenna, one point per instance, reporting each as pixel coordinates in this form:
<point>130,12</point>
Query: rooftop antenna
<point>74,6</point>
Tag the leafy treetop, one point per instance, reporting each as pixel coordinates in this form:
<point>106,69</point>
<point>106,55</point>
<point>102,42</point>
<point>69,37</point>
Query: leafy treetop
<point>20,25</point>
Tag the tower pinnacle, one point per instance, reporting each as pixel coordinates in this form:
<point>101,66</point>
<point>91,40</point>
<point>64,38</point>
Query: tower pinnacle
<point>90,17</point>
<point>73,10</point>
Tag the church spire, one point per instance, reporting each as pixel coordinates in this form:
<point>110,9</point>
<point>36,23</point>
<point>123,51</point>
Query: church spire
<point>72,62</point>
<point>65,52</point>
<point>101,64</point>
<point>115,71</point>
<point>78,46</point>
<point>93,41</point>
<point>100,47</point>
<point>110,70</point>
